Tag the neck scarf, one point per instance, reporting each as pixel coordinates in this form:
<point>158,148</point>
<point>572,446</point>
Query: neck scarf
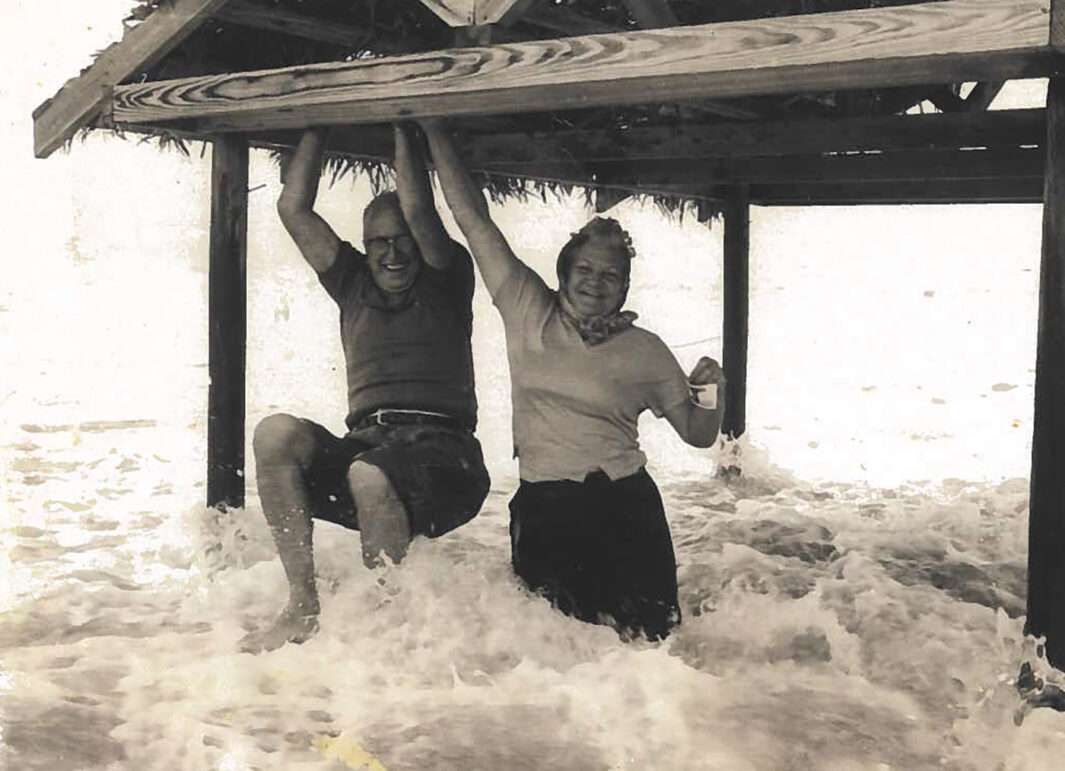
<point>597,329</point>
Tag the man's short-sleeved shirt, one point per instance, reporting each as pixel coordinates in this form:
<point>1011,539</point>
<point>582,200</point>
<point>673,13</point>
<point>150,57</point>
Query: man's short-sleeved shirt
<point>576,405</point>
<point>416,355</point>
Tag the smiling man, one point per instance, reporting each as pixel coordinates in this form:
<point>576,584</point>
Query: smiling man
<point>409,464</point>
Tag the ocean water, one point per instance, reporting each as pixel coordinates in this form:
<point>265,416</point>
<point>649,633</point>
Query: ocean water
<point>827,626</point>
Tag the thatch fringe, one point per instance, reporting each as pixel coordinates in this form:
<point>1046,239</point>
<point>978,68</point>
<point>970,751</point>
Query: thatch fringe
<point>500,188</point>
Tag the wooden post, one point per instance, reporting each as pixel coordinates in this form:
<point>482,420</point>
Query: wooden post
<point>227,315</point>
<point>734,328</point>
<point>1046,523</point>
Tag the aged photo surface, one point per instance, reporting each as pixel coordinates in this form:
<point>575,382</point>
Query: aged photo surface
<point>851,570</point>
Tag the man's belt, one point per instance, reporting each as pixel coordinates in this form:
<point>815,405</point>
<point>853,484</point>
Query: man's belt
<point>394,416</point>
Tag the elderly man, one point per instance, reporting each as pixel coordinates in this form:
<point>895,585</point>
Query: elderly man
<point>409,464</point>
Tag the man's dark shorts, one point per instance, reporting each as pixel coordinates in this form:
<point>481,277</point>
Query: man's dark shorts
<point>437,472</point>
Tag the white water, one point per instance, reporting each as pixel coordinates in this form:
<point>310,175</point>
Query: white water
<point>827,627</point>
<point>858,612</point>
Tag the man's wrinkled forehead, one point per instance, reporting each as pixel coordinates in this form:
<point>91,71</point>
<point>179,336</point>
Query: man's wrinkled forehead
<point>384,210</point>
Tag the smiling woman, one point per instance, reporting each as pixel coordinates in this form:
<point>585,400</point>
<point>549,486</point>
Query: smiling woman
<point>588,528</point>
<point>593,270</point>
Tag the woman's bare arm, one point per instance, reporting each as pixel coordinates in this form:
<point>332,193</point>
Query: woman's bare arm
<point>490,249</point>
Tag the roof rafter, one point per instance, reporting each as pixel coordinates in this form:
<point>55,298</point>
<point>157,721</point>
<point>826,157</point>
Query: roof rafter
<point>863,167</point>
<point>249,14</point>
<point>78,101</point>
<point>564,21</point>
<point>475,13</point>
<point>935,42</point>
<point>652,13</point>
<point>995,129</point>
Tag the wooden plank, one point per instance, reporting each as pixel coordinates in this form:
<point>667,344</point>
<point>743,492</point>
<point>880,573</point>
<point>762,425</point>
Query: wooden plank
<point>996,129</point>
<point>274,19</point>
<point>917,165</point>
<point>475,13</point>
<point>455,13</point>
<point>947,41</point>
<point>655,14</point>
<point>502,12</point>
<point>983,94</point>
<point>81,98</point>
<point>227,319</point>
<point>650,14</point>
<point>1046,521</point>
<point>606,198</point>
<point>1057,24</point>
<point>737,241</point>
<point>964,191</point>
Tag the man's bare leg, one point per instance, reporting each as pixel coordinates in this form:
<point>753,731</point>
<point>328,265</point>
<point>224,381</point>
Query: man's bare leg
<point>283,448</point>
<point>382,515</point>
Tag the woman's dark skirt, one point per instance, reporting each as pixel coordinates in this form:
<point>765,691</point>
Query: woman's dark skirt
<point>600,550</point>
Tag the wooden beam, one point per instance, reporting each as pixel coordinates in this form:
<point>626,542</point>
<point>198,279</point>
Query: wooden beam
<point>983,94</point>
<point>944,98</point>
<point>655,14</point>
<point>81,98</point>
<point>475,13</point>
<point>650,14</point>
<point>950,191</point>
<point>1046,519</point>
<point>275,19</point>
<point>501,12</point>
<point>948,41</point>
<point>737,237</point>
<point>1057,25</point>
<point>917,165</point>
<point>606,198</point>
<point>455,13</point>
<point>227,318</point>
<point>996,129</point>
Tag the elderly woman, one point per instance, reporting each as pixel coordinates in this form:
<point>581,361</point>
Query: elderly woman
<point>587,525</point>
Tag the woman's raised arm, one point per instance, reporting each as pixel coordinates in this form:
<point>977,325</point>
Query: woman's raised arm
<point>490,249</point>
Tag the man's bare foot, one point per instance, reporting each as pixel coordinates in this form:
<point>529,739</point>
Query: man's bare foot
<point>290,627</point>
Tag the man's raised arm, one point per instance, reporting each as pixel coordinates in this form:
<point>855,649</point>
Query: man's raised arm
<point>490,249</point>
<point>416,200</point>
<point>312,234</point>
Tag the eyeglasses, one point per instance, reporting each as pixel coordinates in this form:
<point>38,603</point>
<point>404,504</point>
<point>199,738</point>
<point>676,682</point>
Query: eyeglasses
<point>378,247</point>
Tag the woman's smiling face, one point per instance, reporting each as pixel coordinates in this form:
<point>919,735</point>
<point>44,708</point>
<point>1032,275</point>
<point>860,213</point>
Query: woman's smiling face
<point>598,279</point>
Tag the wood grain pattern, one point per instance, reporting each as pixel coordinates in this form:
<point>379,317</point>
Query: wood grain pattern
<point>1046,521</point>
<point>947,41</point>
<point>81,98</point>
